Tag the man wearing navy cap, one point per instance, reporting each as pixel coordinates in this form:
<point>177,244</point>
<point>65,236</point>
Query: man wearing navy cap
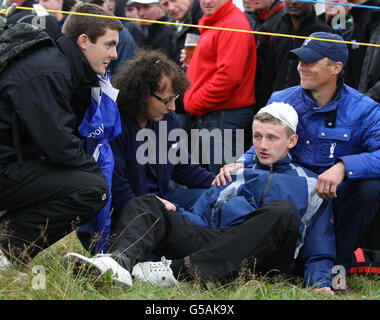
<point>339,138</point>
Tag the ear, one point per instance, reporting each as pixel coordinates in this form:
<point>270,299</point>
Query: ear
<point>82,41</point>
<point>293,141</point>
<point>337,68</point>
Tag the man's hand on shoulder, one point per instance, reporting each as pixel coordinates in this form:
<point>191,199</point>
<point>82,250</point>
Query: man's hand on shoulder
<point>225,173</point>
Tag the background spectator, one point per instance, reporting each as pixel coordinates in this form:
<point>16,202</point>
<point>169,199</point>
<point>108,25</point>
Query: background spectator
<point>343,22</point>
<point>248,7</point>
<point>280,72</point>
<point>47,21</point>
<point>362,71</point>
<point>131,10</point>
<point>155,35</point>
<point>267,16</point>
<point>68,5</point>
<point>186,12</point>
<point>54,5</point>
<point>222,73</point>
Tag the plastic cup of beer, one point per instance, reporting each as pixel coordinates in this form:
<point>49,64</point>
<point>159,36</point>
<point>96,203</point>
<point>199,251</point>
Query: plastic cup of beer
<point>190,45</point>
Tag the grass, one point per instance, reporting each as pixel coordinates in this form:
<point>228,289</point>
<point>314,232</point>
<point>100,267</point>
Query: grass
<point>49,277</point>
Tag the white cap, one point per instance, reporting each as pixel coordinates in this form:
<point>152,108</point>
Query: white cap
<point>131,2</point>
<point>284,112</point>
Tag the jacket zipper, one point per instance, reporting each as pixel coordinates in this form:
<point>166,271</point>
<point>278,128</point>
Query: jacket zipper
<point>220,213</point>
<point>267,185</point>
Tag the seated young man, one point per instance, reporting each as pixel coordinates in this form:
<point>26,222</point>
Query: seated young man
<point>267,217</point>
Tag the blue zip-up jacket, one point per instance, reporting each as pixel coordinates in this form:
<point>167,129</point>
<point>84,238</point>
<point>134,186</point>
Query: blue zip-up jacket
<point>227,206</point>
<point>355,139</point>
<point>129,177</point>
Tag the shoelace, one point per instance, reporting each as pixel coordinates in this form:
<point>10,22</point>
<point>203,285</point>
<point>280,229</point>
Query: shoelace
<point>102,255</point>
<point>163,265</point>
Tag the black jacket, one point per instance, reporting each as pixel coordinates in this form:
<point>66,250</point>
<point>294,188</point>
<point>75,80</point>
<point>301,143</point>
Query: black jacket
<point>280,71</point>
<point>160,37</point>
<point>262,46</point>
<point>370,71</point>
<point>362,70</point>
<point>21,15</point>
<point>49,88</point>
<point>192,17</point>
<point>270,24</point>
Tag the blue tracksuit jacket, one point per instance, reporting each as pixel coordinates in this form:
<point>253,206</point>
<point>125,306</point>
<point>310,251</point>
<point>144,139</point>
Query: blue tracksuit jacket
<point>227,206</point>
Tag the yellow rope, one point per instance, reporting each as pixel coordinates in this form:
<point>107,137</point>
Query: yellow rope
<point>205,27</point>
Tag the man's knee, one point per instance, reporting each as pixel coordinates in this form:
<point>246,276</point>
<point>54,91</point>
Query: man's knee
<point>285,211</point>
<point>281,207</point>
<point>144,205</point>
<point>143,201</point>
<point>364,191</point>
<point>357,199</point>
<point>146,208</point>
<point>93,194</point>
<point>368,190</point>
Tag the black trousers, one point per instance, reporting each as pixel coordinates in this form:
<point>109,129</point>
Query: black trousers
<point>45,203</point>
<point>267,239</point>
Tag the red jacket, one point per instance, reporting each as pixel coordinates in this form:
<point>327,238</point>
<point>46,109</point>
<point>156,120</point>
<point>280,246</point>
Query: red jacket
<point>222,69</point>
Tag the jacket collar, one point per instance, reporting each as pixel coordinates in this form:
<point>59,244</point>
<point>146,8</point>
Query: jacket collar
<point>276,6</point>
<point>279,166</point>
<point>332,104</point>
<point>82,73</point>
<point>219,14</point>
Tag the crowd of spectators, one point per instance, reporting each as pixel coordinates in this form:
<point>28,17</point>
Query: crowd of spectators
<point>232,75</point>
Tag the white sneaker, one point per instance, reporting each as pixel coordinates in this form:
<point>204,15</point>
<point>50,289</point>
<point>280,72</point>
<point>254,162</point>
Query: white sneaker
<point>4,262</point>
<point>104,262</point>
<point>155,272</point>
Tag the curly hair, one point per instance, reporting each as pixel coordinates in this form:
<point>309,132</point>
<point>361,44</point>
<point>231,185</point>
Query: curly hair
<point>140,77</point>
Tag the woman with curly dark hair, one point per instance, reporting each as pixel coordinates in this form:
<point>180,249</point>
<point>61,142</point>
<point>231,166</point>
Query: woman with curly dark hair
<point>149,86</point>
<point>151,72</point>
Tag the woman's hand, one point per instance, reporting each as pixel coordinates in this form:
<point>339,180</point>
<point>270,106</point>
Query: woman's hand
<point>168,205</point>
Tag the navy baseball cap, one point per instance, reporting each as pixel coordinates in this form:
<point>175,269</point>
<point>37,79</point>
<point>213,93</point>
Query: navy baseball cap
<point>314,50</point>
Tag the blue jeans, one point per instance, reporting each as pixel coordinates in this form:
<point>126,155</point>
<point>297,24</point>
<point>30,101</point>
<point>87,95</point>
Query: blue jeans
<point>221,149</point>
<point>357,204</point>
